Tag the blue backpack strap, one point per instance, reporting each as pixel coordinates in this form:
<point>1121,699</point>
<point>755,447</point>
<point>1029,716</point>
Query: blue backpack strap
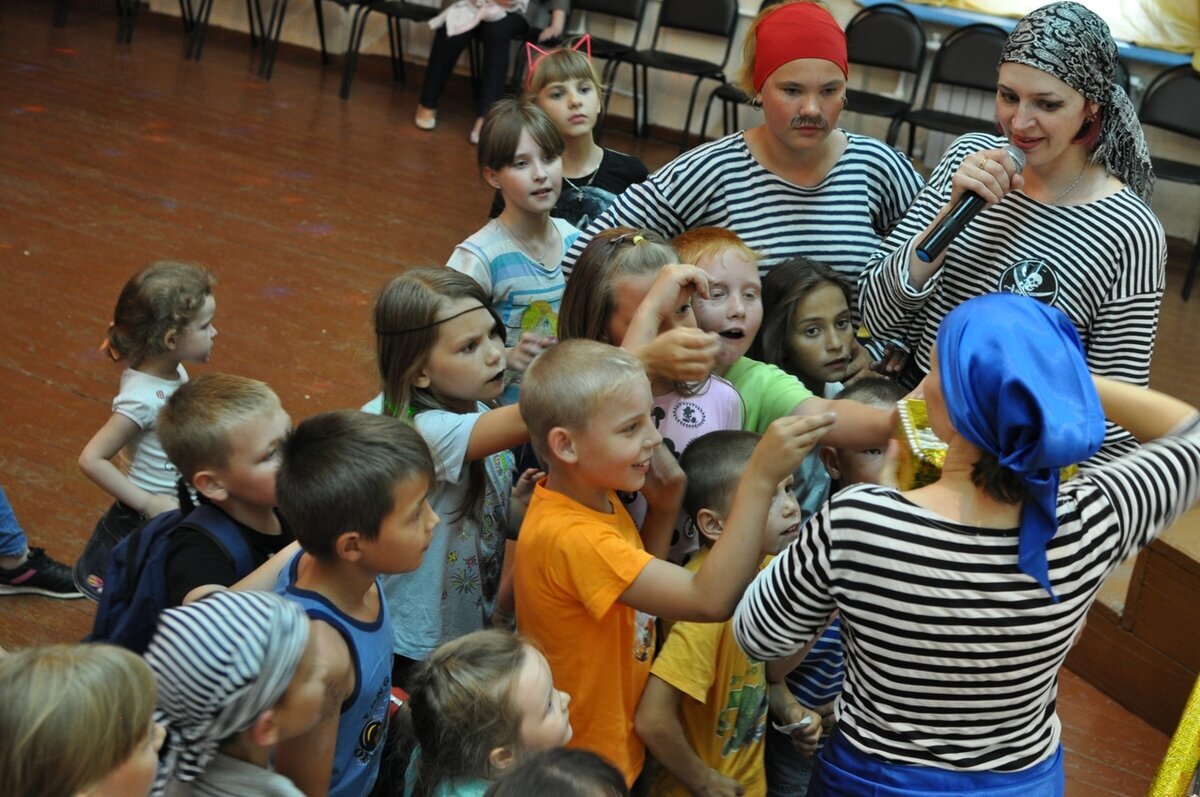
<point>224,531</point>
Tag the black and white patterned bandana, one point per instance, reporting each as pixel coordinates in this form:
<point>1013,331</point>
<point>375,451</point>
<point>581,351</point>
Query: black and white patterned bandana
<point>1071,43</point>
<point>219,663</point>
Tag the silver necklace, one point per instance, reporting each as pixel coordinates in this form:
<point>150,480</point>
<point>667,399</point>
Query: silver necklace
<point>595,171</point>
<point>521,244</point>
<point>1071,187</point>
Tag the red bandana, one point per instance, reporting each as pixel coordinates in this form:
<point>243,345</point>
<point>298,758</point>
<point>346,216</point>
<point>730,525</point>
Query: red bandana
<point>797,30</point>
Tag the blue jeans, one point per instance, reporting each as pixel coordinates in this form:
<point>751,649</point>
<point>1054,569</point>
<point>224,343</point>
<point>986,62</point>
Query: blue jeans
<point>12,539</point>
<point>788,772</point>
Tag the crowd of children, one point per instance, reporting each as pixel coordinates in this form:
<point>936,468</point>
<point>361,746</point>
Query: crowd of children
<point>601,464</point>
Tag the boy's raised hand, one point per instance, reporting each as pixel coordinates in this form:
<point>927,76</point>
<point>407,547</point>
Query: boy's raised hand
<point>665,482</point>
<point>787,442</point>
<point>682,354</point>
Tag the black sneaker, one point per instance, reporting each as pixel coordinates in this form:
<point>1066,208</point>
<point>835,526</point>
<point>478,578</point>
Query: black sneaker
<point>40,575</point>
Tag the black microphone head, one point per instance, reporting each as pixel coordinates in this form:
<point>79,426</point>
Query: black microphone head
<point>1018,156</point>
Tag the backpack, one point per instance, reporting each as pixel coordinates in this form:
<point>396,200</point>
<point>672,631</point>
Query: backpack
<point>135,585</point>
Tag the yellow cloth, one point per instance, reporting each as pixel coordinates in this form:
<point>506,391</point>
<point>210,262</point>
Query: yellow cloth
<point>572,565</point>
<point>724,708</point>
<point>1162,24</point>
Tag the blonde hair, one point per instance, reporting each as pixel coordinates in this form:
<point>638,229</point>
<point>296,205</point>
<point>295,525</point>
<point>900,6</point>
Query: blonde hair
<point>196,423</point>
<point>566,384</point>
<point>463,705</point>
<point>160,299</point>
<point>70,715</point>
<point>744,79</point>
<point>560,65</point>
<point>695,245</point>
<point>590,298</point>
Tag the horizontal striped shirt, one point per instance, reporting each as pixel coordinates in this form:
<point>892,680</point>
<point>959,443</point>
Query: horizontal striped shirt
<point>840,221</point>
<point>1102,263</point>
<point>952,653</point>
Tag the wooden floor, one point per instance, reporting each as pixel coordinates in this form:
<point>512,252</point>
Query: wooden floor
<point>115,156</point>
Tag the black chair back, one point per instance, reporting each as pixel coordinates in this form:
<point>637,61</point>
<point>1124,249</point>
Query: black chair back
<point>625,9</point>
<point>1172,101</point>
<point>711,17</point>
<point>969,57</point>
<point>887,36</point>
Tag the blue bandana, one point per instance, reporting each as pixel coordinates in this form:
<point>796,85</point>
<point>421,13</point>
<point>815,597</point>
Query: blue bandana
<point>1016,385</point>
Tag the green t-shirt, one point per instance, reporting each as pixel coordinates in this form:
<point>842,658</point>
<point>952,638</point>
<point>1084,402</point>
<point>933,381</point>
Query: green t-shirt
<point>767,392</point>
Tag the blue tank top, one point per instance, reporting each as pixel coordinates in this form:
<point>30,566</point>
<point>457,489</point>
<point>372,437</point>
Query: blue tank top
<point>363,724</point>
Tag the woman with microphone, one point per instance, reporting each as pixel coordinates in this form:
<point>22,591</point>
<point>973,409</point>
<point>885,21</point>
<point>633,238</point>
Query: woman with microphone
<point>1072,229</point>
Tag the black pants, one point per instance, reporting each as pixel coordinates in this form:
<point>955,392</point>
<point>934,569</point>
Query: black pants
<point>496,37</point>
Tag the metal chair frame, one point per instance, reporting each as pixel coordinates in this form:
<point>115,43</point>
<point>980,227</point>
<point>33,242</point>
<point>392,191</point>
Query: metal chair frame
<point>868,44</point>
<point>679,15</point>
<point>1172,103</point>
<point>958,63</point>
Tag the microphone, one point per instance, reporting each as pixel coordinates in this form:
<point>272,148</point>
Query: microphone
<point>968,208</point>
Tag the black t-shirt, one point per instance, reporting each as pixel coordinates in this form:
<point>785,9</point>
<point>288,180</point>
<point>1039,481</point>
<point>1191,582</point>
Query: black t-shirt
<point>584,198</point>
<point>194,559</point>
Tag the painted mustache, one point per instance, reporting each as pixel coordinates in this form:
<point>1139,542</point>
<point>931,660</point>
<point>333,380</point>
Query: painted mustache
<point>809,121</point>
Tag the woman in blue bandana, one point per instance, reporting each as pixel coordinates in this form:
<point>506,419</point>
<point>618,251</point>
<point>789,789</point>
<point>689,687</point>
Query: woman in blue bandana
<point>960,600</point>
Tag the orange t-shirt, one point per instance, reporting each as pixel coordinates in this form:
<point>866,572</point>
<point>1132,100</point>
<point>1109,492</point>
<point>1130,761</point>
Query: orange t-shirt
<point>572,565</point>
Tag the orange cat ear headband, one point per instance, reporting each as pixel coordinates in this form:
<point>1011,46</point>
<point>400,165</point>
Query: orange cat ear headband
<point>535,55</point>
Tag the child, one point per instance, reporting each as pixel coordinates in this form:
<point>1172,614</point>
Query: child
<point>77,719</point>
<point>163,319</point>
<point>563,773</point>
<point>807,331</point>
<point>354,487</point>
<point>563,83</point>
<point>441,355</point>
<point>224,434</point>
<point>587,588</point>
<point>733,310</point>
<point>237,673</point>
<point>814,677</point>
<point>807,327</point>
<point>624,292</point>
<point>480,704</point>
<point>515,257</point>
<point>847,466</point>
<point>704,711</point>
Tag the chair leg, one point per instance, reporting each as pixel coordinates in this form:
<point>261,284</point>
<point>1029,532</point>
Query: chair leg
<point>320,30</point>
<point>126,17</point>
<point>893,131</point>
<point>271,35</point>
<point>60,13</point>
<point>187,15</point>
<point>195,47</point>
<point>358,22</point>
<point>687,124</point>
<point>255,21</point>
<point>644,107</point>
<point>707,109</point>
<point>396,44</point>
<point>1191,274</point>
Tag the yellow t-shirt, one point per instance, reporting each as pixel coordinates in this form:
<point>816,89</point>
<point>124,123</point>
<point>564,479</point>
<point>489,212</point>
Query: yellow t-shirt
<point>724,708</point>
<point>572,565</point>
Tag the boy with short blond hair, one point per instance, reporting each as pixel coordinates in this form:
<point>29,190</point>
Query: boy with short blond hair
<point>223,433</point>
<point>355,489</point>
<point>704,712</point>
<point>588,585</point>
